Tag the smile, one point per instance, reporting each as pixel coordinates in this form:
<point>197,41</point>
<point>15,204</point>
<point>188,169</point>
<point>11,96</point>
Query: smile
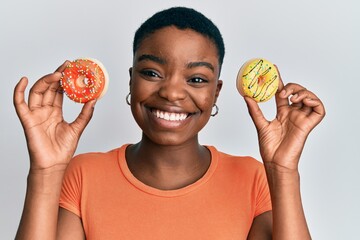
<point>169,116</point>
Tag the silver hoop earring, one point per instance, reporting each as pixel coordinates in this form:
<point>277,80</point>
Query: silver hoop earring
<point>128,99</point>
<point>216,110</point>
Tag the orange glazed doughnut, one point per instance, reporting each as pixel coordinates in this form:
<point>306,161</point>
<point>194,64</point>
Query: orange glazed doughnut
<point>258,79</point>
<point>84,79</point>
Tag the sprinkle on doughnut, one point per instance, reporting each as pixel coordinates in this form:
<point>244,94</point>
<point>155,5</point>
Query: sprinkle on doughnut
<point>258,79</point>
<point>84,79</point>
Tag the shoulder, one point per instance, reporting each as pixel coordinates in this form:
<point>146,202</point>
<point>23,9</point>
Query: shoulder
<point>95,160</point>
<point>239,167</point>
<point>236,161</point>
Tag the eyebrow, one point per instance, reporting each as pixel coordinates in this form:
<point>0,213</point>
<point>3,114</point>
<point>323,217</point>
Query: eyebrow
<point>201,64</point>
<point>151,58</point>
<point>162,61</point>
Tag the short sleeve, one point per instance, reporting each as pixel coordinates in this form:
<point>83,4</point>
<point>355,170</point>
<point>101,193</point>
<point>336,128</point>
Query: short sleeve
<point>263,199</point>
<point>70,196</point>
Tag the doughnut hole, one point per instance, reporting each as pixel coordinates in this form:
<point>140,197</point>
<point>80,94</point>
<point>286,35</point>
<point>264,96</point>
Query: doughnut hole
<point>83,81</point>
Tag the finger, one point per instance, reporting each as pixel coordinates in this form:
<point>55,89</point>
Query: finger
<point>19,99</point>
<point>40,87</point>
<point>298,100</point>
<point>318,109</point>
<point>50,94</point>
<point>256,113</point>
<point>301,95</point>
<point>280,96</point>
<point>63,66</point>
<point>84,117</point>
<point>292,89</point>
<point>59,97</point>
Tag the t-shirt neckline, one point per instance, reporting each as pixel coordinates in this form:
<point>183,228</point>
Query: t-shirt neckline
<point>166,193</point>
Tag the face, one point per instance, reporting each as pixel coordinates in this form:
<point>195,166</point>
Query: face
<point>174,85</point>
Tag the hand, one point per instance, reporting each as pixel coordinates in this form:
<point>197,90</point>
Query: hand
<point>50,140</point>
<point>282,139</point>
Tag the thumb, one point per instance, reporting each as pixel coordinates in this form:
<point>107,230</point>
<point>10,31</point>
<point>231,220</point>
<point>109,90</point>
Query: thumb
<point>84,117</point>
<point>21,107</point>
<point>255,113</point>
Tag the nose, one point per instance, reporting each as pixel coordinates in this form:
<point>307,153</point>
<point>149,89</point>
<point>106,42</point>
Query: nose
<point>173,89</point>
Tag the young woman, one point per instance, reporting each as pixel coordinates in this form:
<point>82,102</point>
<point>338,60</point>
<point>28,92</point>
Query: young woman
<point>168,185</point>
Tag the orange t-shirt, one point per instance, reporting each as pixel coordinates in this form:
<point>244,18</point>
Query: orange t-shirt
<point>113,204</point>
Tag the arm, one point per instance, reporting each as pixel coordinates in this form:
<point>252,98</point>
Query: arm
<point>261,228</point>
<point>51,144</point>
<point>281,142</point>
<point>69,226</point>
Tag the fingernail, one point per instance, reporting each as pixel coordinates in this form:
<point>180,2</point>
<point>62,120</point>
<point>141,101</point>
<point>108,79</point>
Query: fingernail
<point>295,96</point>
<point>94,103</point>
<point>283,92</point>
<point>59,74</point>
<point>60,90</point>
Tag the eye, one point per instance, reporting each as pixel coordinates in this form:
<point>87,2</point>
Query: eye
<point>197,80</point>
<point>149,73</point>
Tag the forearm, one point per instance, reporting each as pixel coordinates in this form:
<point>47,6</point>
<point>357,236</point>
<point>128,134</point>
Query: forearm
<point>39,217</point>
<point>288,215</point>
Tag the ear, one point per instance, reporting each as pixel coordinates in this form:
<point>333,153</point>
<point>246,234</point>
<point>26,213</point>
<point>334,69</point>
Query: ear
<point>130,74</point>
<point>218,89</point>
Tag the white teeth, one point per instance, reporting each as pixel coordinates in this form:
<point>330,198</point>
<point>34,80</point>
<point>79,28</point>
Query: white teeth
<point>170,116</point>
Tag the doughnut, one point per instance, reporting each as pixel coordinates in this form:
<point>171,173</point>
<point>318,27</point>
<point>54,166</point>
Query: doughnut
<point>84,79</point>
<point>259,79</point>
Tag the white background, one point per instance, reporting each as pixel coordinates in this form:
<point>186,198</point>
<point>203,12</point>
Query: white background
<point>314,43</point>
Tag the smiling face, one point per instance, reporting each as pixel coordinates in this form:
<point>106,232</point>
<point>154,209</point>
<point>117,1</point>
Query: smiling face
<point>174,85</point>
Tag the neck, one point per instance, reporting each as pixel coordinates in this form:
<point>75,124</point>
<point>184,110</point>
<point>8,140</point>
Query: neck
<point>168,167</point>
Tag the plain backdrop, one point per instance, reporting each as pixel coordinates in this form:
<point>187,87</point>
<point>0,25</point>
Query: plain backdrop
<point>314,43</point>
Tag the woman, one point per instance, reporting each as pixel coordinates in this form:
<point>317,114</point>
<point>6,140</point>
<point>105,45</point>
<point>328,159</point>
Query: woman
<point>168,185</point>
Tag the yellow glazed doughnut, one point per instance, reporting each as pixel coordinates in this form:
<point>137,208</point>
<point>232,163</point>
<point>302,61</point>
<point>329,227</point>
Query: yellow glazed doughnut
<point>84,79</point>
<point>258,79</point>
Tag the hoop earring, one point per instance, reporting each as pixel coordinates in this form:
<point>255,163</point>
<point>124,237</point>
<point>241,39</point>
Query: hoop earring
<point>216,110</point>
<point>128,99</point>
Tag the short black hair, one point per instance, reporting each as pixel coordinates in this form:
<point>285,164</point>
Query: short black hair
<point>182,18</point>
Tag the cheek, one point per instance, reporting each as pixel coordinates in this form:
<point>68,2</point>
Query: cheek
<point>205,100</point>
<point>140,90</point>
<point>208,104</point>
<point>139,94</point>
